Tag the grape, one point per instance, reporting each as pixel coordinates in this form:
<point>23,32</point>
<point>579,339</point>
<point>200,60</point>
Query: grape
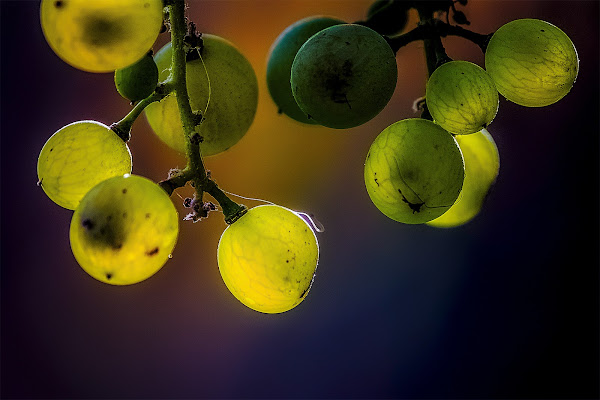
<point>344,75</point>
<point>282,55</point>
<point>101,35</point>
<point>77,157</point>
<point>461,97</point>
<point>268,258</point>
<point>233,95</point>
<point>139,80</point>
<point>481,169</point>
<point>414,171</point>
<point>533,63</point>
<point>124,230</point>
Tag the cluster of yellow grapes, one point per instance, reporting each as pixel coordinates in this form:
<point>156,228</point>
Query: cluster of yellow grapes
<point>124,227</point>
<point>439,171</point>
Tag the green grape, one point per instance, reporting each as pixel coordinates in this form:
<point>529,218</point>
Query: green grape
<point>139,80</point>
<point>268,258</point>
<point>101,35</point>
<point>388,17</point>
<point>414,171</point>
<point>533,63</point>
<point>461,97</point>
<point>230,90</point>
<point>482,164</point>
<point>124,230</point>
<point>77,157</point>
<point>344,75</point>
<point>281,57</point>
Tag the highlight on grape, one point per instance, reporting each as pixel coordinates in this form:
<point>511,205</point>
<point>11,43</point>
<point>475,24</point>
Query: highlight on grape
<point>199,94</point>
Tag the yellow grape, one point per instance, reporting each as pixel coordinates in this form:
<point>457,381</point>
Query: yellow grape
<point>77,157</point>
<point>533,63</point>
<point>101,35</point>
<point>231,87</point>
<point>268,258</point>
<point>482,164</point>
<point>414,171</point>
<point>124,230</point>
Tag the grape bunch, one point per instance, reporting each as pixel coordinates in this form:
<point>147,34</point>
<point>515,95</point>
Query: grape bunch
<point>436,169</point>
<point>199,94</point>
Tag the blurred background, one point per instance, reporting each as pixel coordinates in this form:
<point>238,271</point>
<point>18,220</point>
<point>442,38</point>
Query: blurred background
<point>503,307</point>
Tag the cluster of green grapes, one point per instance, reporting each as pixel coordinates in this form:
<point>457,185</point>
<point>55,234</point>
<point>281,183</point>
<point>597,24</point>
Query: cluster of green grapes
<point>434,170</point>
<point>125,227</point>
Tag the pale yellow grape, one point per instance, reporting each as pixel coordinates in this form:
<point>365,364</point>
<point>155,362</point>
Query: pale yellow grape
<point>414,171</point>
<point>101,35</point>
<point>533,63</point>
<point>482,164</point>
<point>268,258</point>
<point>461,97</point>
<point>124,230</point>
<point>231,86</point>
<point>77,157</point>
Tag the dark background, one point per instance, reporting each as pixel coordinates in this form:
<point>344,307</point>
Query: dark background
<point>503,307</point>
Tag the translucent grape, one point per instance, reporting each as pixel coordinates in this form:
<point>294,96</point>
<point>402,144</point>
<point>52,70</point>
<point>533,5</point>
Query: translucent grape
<point>482,164</point>
<point>101,35</point>
<point>414,171</point>
<point>461,97</point>
<point>124,230</point>
<point>281,57</point>
<point>77,157</point>
<point>268,258</point>
<point>231,86</point>
<point>533,63</point>
<point>139,80</point>
<point>344,76</point>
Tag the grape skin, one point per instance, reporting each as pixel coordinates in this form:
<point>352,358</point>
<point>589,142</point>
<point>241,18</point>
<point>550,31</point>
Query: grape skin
<point>233,97</point>
<point>101,35</point>
<point>280,59</point>
<point>268,258</point>
<point>77,157</point>
<point>124,230</point>
<point>414,171</point>
<point>533,63</point>
<point>461,97</point>
<point>344,75</point>
<point>482,164</point>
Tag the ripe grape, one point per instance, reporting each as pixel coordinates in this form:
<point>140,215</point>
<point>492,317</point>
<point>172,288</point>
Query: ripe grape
<point>268,258</point>
<point>414,171</point>
<point>481,169</point>
<point>461,97</point>
<point>344,75</point>
<point>388,17</point>
<point>124,230</point>
<point>533,63</point>
<point>282,55</point>
<point>101,35</point>
<point>230,91</point>
<point>77,157</point>
<point>139,80</point>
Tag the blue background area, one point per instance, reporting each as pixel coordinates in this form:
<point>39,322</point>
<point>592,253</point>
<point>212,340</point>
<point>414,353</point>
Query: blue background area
<point>505,306</point>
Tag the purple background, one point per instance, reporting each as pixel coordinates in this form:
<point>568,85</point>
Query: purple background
<point>505,306</point>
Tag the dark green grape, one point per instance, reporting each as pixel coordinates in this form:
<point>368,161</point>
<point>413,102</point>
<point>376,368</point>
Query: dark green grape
<point>281,57</point>
<point>388,17</point>
<point>139,80</point>
<point>344,76</point>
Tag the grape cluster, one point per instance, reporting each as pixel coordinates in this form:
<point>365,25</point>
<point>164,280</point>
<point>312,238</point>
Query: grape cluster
<point>124,226</point>
<point>200,94</point>
<point>436,169</point>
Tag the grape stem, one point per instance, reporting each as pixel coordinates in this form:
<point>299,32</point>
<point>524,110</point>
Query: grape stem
<point>123,127</point>
<point>195,170</point>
